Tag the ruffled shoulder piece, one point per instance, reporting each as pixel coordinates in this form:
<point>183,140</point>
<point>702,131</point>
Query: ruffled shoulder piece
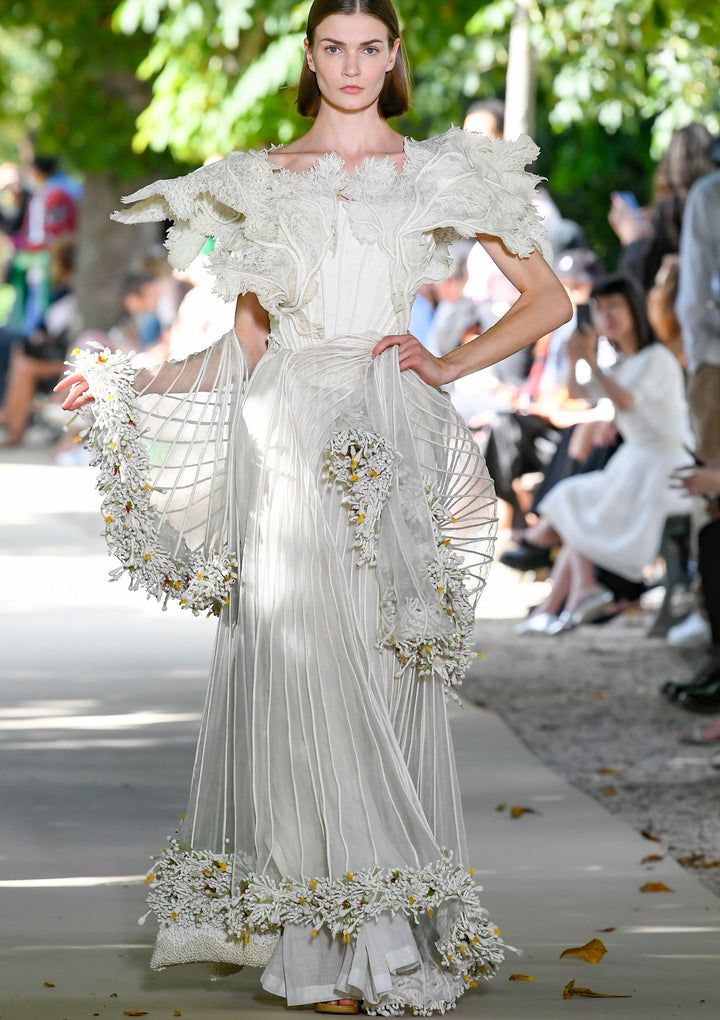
<point>471,184</point>
<point>213,201</point>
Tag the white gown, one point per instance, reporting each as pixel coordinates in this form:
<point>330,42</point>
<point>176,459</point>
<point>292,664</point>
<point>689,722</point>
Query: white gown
<point>338,516</point>
<point>616,516</point>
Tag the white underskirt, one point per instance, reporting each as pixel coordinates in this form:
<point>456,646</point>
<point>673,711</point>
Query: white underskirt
<point>304,969</point>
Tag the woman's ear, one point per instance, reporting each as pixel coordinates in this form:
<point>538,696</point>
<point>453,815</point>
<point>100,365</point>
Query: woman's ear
<point>308,55</point>
<point>393,55</point>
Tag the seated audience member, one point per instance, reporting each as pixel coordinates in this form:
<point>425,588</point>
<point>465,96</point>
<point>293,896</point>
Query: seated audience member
<point>614,518</point>
<point>486,285</point>
<point>139,328</point>
<point>37,362</point>
<point>523,438</point>
<point>453,313</point>
<point>202,316</point>
<point>702,692</point>
<point>50,215</point>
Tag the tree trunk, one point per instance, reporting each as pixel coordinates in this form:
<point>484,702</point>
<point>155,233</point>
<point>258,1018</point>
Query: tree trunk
<point>521,86</point>
<point>106,251</point>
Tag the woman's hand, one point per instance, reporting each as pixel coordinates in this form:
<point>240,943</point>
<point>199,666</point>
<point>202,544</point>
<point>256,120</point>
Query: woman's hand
<point>583,345</point>
<point>697,480</point>
<point>412,354</point>
<point>629,224</point>
<point>80,393</point>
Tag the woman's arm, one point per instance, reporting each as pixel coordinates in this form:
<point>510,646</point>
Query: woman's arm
<point>542,306</point>
<point>251,328</point>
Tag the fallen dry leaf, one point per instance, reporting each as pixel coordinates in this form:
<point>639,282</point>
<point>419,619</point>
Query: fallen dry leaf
<point>649,835</point>
<point>177,1013</point>
<point>651,858</point>
<point>501,807</point>
<point>711,864</point>
<point>691,860</point>
<point>134,1012</point>
<point>593,951</point>
<point>48,984</point>
<point>517,812</point>
<point>655,887</point>
<point>609,772</point>
<point>607,929</point>
<point>609,791</point>
<point>570,992</point>
<point>599,695</point>
<point>521,977</point>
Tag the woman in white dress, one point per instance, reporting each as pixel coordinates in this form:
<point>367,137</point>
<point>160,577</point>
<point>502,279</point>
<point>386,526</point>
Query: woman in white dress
<point>614,518</point>
<point>306,480</point>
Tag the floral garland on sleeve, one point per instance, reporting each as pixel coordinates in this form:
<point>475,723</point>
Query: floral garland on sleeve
<point>131,521</point>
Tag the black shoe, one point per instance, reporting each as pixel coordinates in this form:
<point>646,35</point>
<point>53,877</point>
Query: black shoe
<point>701,699</point>
<point>707,676</point>
<point>527,557</point>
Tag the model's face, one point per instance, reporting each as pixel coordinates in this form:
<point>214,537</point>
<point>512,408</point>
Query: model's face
<point>350,56</point>
<point>614,319</point>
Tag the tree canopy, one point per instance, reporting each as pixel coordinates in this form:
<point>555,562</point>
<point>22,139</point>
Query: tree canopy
<point>614,78</point>
<point>224,70</point>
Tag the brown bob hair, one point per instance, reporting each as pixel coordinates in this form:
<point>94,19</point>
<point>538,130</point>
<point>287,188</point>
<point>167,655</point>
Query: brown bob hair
<point>394,98</point>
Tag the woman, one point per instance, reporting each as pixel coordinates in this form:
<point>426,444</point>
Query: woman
<point>324,814</point>
<point>613,519</point>
<point>37,361</point>
<point>647,235</point>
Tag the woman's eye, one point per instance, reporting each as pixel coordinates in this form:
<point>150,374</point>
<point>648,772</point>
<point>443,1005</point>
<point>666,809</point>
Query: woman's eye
<point>332,49</point>
<point>371,49</point>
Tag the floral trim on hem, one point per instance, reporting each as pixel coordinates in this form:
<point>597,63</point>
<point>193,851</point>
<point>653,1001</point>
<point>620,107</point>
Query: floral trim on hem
<point>131,521</point>
<point>195,888</point>
<point>362,464</point>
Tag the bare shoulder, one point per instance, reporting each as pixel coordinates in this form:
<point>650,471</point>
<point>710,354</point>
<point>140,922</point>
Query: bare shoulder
<point>295,156</point>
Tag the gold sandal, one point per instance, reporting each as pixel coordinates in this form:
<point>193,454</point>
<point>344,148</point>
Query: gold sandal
<point>330,1007</point>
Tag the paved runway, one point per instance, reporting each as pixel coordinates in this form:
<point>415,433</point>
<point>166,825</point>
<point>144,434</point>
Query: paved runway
<point>100,697</point>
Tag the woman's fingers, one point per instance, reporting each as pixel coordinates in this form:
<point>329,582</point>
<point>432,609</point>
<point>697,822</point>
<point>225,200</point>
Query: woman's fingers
<point>412,355</point>
<point>67,380</point>
<point>79,394</point>
<point>387,341</point>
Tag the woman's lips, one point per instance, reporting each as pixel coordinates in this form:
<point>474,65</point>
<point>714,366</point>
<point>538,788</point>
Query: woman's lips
<point>352,89</point>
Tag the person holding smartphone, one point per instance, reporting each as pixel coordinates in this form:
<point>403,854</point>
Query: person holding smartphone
<point>613,519</point>
<point>646,235</point>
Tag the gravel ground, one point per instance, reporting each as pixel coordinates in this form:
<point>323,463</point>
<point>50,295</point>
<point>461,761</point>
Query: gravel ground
<point>586,703</point>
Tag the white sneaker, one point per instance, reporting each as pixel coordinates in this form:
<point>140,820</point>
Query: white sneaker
<point>693,632</point>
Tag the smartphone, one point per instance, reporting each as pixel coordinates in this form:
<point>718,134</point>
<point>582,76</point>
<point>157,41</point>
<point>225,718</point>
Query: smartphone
<point>625,198</point>
<point>698,460</point>
<point>584,318</point>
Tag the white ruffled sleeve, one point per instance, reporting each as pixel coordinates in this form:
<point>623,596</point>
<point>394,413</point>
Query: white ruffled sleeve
<point>209,202</point>
<point>472,184</point>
